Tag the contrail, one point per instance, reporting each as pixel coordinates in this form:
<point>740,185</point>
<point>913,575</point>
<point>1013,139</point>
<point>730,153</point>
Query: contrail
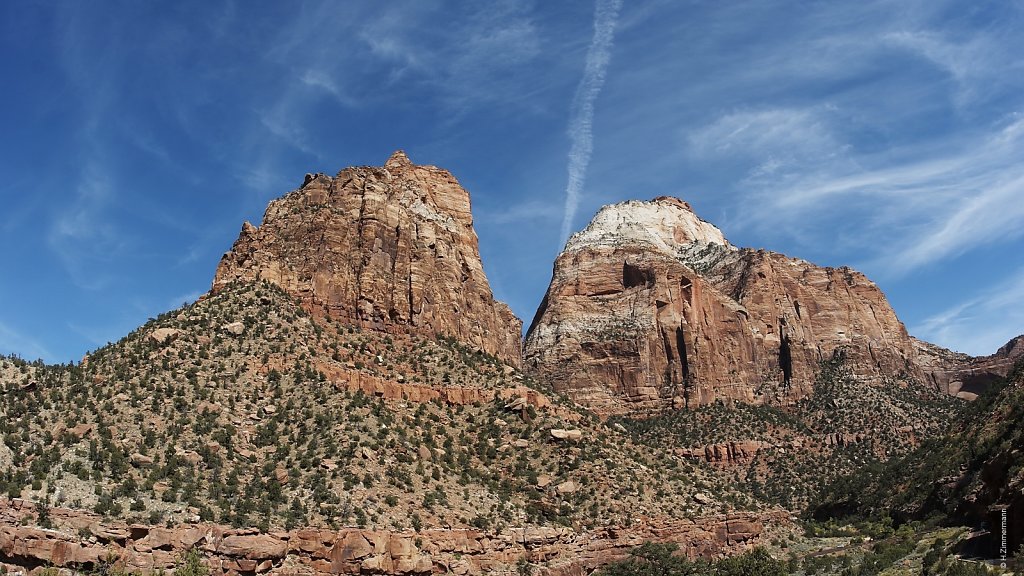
<point>606,14</point>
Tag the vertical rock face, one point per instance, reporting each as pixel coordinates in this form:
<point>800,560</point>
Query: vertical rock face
<point>390,248</point>
<point>650,304</point>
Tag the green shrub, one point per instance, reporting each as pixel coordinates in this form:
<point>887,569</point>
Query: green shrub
<point>191,564</point>
<point>654,559</point>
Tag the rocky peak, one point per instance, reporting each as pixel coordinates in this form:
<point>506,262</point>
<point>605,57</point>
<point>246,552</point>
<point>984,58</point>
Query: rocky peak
<point>1013,349</point>
<point>390,248</point>
<point>398,160</point>
<point>650,305</point>
<point>665,223</point>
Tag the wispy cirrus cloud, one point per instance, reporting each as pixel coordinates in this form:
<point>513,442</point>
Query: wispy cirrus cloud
<point>879,160</point>
<point>281,122</point>
<point>317,78</point>
<point>82,234</point>
<point>375,58</point>
<point>183,299</point>
<point>14,342</point>
<point>530,210</point>
<point>773,141</point>
<point>928,208</point>
<point>983,322</point>
<point>581,137</point>
<point>482,59</point>
<point>975,62</point>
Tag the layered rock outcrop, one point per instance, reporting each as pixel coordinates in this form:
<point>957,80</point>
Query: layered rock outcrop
<point>390,248</point>
<point>85,541</point>
<point>652,305</point>
<point>517,398</point>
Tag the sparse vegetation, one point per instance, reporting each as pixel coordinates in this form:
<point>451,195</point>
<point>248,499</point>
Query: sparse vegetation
<point>802,448</point>
<point>665,560</point>
<point>976,455</point>
<point>184,420</point>
<point>276,430</point>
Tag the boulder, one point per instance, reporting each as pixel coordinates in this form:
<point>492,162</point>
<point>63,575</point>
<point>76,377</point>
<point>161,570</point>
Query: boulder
<point>561,434</point>
<point>234,328</point>
<point>567,487</point>
<point>141,460</point>
<point>253,547</point>
<point>164,336</point>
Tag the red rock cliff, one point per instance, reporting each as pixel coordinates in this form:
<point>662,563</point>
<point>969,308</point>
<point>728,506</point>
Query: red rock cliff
<point>962,375</point>
<point>391,248</point>
<point>653,305</point>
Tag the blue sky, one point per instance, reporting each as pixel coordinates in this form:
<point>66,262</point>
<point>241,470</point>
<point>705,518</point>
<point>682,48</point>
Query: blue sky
<point>138,136</point>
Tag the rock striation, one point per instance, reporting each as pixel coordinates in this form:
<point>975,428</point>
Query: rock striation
<point>652,305</point>
<point>85,542</point>
<point>390,248</point>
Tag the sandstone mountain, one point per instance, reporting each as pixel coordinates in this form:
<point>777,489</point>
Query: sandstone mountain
<point>963,375</point>
<point>349,372</point>
<point>390,248</point>
<point>650,305</point>
<point>348,398</point>
<point>277,441</point>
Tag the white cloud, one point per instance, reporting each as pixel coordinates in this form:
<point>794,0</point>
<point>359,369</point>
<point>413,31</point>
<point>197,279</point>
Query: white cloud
<point>291,134</point>
<point>899,214</point>
<point>953,58</point>
<point>482,59</point>
<point>378,56</point>
<point>975,62</point>
<point>994,211</point>
<point>184,299</point>
<point>324,81</point>
<point>262,179</point>
<point>606,14</point>
<point>81,232</point>
<point>392,47</point>
<point>981,324</point>
<point>774,140</point>
<point>534,210</point>
<point>14,342</point>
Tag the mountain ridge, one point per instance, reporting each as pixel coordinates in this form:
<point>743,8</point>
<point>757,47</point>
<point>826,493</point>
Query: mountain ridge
<point>650,306</point>
<point>349,397</point>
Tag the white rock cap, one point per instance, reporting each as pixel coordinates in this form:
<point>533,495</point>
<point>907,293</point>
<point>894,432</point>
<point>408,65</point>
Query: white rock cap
<point>665,222</point>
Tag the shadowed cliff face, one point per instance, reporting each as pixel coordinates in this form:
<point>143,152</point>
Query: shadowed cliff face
<point>962,375</point>
<point>651,305</point>
<point>390,248</point>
